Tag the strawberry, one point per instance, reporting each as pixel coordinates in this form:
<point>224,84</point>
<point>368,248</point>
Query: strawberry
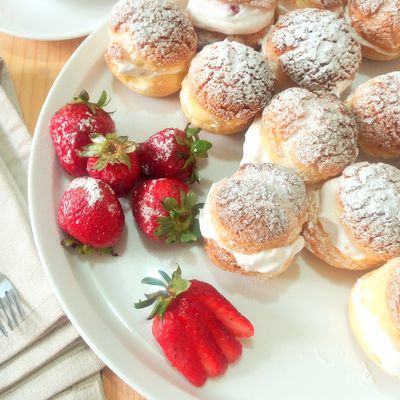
<point>178,348</point>
<point>190,330</point>
<point>166,210</point>
<point>71,126</point>
<point>112,159</point>
<point>171,153</point>
<point>221,307</point>
<point>90,212</point>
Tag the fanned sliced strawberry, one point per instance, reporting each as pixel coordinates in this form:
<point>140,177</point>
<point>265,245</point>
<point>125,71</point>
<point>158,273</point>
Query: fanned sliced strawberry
<point>188,328</point>
<point>210,354</point>
<point>178,348</point>
<point>225,339</point>
<point>223,310</point>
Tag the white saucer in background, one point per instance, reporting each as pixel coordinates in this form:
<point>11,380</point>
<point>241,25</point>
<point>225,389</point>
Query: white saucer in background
<point>53,19</point>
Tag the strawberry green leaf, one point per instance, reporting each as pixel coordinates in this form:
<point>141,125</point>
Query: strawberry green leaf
<point>86,249</point>
<point>201,147</point>
<point>154,281</point>
<point>163,298</point>
<point>165,276</point>
<point>177,225</point>
<point>192,131</point>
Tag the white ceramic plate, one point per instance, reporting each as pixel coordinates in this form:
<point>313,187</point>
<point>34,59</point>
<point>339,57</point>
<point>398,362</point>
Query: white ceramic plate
<point>302,348</point>
<point>53,19</point>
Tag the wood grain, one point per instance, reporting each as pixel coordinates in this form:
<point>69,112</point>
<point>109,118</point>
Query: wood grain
<point>34,65</point>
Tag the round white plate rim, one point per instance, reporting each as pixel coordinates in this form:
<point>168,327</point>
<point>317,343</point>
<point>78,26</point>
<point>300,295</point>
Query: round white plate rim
<point>79,320</point>
<point>51,36</point>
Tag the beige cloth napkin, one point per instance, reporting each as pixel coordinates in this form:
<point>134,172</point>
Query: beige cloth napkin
<point>44,357</point>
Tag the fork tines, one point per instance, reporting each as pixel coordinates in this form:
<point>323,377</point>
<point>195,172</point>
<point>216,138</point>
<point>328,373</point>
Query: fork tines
<point>10,307</point>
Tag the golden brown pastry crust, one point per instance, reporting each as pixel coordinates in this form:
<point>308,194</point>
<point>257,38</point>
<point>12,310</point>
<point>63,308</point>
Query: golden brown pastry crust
<point>319,243</point>
<point>262,206</point>
<point>200,117</point>
<point>227,85</point>
<point>376,107</point>
<point>314,134</point>
<point>377,22</point>
<point>374,288</point>
<point>292,47</point>
<point>368,207</point>
<point>157,39</point>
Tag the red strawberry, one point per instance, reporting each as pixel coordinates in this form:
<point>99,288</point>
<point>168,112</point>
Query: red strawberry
<point>71,126</point>
<point>171,153</point>
<point>178,348</point>
<point>194,339</point>
<point>112,159</point>
<point>166,210</point>
<point>90,212</point>
<point>224,311</point>
<point>210,353</point>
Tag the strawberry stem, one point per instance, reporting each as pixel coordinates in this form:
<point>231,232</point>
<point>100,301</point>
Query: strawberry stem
<point>110,149</point>
<point>198,149</point>
<point>102,102</point>
<point>181,224</point>
<point>174,286</point>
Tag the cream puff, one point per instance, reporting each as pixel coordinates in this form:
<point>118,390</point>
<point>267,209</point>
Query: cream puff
<point>313,49</point>
<point>374,313</point>
<point>245,21</point>
<point>251,222</point>
<point>152,44</point>
<point>336,6</point>
<point>377,27</point>
<point>314,134</point>
<point>376,107</point>
<point>354,221</point>
<point>228,84</point>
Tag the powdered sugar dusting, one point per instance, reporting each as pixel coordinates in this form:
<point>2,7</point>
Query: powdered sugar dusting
<point>316,50</point>
<point>91,186</point>
<point>370,197</point>
<point>158,29</point>
<point>311,131</point>
<point>377,22</point>
<point>376,106</point>
<point>260,201</point>
<point>231,80</point>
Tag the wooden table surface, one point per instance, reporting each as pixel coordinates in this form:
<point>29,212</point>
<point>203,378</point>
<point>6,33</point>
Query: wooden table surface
<point>33,66</point>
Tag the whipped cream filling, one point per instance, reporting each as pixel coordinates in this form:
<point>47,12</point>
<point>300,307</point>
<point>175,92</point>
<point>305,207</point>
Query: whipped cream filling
<point>363,41</point>
<point>266,261</point>
<point>331,223</point>
<point>129,68</point>
<point>216,16</point>
<point>377,340</point>
<point>253,148</point>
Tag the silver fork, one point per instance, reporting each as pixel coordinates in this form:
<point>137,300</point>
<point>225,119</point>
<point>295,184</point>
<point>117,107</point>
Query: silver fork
<point>9,304</point>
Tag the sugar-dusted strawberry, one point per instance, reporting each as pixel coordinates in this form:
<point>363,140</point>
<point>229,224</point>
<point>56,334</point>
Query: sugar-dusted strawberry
<point>91,213</point>
<point>71,126</point>
<point>165,209</point>
<point>192,336</point>
<point>172,153</point>
<point>112,159</point>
